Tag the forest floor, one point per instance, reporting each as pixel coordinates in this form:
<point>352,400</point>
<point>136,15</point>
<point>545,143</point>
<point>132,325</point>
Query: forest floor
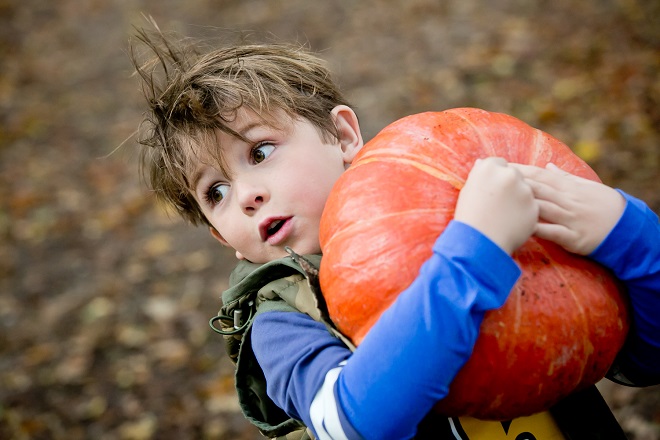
<point>105,298</point>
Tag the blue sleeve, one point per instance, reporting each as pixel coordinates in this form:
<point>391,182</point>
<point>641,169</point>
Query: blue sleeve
<point>410,356</point>
<point>632,252</point>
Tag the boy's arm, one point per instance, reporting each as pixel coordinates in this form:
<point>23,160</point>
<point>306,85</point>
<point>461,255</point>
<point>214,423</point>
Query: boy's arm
<point>621,233</point>
<point>408,359</point>
<point>632,252</point>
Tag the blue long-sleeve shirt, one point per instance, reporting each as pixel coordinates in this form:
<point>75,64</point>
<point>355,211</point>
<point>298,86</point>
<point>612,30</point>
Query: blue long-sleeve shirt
<point>339,394</point>
<point>632,252</point>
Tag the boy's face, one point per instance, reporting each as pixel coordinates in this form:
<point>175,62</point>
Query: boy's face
<point>278,183</point>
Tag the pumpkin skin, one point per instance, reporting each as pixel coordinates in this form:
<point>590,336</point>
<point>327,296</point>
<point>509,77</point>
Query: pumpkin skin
<point>565,319</point>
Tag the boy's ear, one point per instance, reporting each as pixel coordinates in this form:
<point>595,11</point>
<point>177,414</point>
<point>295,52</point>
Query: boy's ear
<point>348,127</point>
<point>215,234</point>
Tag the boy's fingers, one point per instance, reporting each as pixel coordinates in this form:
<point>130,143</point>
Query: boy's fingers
<point>490,161</point>
<point>554,168</point>
<point>551,212</point>
<point>549,171</point>
<point>555,178</point>
<point>553,232</point>
<point>545,191</point>
<point>534,172</point>
<point>525,170</point>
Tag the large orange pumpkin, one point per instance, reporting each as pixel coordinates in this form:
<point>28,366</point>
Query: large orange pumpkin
<point>565,319</point>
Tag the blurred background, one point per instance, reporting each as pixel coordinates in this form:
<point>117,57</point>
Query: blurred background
<point>105,298</point>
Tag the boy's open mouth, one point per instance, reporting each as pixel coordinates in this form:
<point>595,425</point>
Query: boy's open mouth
<point>271,226</point>
<point>274,227</point>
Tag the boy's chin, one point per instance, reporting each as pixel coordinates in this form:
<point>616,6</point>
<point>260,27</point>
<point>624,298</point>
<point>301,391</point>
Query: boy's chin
<point>262,258</point>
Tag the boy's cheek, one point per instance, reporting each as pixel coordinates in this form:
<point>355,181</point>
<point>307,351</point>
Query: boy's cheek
<point>216,235</point>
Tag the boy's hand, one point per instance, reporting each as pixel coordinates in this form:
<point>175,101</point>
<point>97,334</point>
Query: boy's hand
<point>575,213</point>
<point>497,201</point>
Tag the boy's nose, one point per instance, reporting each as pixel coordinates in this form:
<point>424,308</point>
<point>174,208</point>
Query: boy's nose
<point>251,198</point>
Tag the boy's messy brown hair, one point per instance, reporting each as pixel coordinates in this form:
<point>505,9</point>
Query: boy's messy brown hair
<point>191,94</point>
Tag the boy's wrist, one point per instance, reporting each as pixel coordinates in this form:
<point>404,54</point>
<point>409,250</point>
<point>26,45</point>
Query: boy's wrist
<point>616,246</point>
<point>463,241</point>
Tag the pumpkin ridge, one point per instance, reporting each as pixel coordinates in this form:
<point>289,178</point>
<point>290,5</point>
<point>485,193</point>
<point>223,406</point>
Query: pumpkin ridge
<point>436,172</point>
<point>537,147</point>
<point>574,296</point>
<point>355,224</point>
<point>422,158</point>
<point>483,140</point>
<point>412,135</point>
<point>518,313</point>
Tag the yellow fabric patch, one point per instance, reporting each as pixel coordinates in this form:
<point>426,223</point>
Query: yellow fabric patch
<point>539,426</point>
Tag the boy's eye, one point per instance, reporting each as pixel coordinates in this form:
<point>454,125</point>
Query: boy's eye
<point>217,192</point>
<point>261,152</point>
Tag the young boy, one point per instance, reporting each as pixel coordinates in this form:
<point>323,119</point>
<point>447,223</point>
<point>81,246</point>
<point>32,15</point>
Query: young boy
<point>249,140</point>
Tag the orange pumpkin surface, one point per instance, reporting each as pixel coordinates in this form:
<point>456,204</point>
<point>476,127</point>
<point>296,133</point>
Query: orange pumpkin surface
<point>564,320</point>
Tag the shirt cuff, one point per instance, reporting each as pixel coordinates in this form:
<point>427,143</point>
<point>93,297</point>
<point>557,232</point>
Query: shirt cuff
<point>463,242</point>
